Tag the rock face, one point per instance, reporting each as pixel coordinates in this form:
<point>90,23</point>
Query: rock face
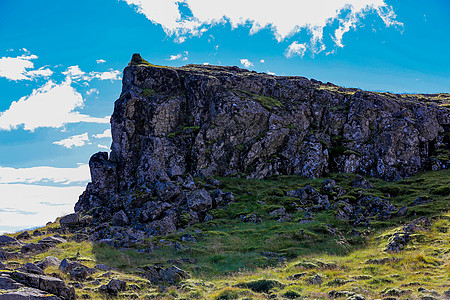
<point>170,124</point>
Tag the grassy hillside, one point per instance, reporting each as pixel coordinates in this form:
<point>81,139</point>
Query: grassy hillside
<point>249,252</point>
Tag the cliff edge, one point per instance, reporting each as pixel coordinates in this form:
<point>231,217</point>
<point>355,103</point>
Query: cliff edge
<point>172,124</point>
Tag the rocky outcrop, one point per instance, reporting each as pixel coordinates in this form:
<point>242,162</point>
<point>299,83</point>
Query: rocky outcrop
<point>170,124</point>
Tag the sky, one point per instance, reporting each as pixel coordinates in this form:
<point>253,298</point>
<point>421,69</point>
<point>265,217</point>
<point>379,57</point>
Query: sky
<point>61,67</point>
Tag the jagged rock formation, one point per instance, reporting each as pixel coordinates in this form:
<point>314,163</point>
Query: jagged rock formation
<point>170,124</point>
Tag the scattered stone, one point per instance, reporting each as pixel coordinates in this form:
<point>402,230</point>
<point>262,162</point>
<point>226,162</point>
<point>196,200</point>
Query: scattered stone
<point>26,293</point>
<point>251,218</point>
<point>315,280</point>
<point>24,236</point>
<point>188,238</point>
<point>296,276</point>
<point>116,285</point>
<point>402,212</point>
<point>356,297</point>
<point>422,200</point>
<point>339,294</point>
<point>171,275</point>
<point>49,261</point>
<point>6,283</point>
<point>278,211</point>
<point>103,267</point>
<point>261,286</point>
<point>53,240</point>
<point>7,240</point>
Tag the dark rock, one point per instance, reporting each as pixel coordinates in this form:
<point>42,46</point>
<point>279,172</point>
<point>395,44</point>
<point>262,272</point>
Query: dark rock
<point>120,218</point>
<point>23,236</point>
<point>199,201</point>
<point>48,284</point>
<point>37,233</point>
<point>36,247</point>
<point>402,212</point>
<point>70,220</point>
<point>7,240</point>
<point>76,270</point>
<point>6,283</point>
<point>422,200</point>
<point>356,297</point>
<point>116,285</point>
<point>328,185</point>
<point>361,182</point>
<point>31,268</point>
<point>339,294</point>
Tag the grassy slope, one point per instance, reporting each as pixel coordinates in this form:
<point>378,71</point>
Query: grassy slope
<point>228,261</point>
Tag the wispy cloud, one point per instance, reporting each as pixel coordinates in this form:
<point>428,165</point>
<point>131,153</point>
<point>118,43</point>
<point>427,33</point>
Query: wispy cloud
<point>182,56</point>
<point>284,18</point>
<point>103,146</point>
<point>246,63</point>
<point>45,174</point>
<point>105,134</point>
<point>74,141</point>
<point>100,61</point>
<point>76,74</point>
<point>92,91</point>
<point>17,68</point>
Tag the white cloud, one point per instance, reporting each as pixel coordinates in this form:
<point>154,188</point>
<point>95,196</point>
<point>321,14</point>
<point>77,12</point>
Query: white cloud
<point>109,75</point>
<point>76,74</point>
<point>92,91</point>
<point>44,174</point>
<point>105,134</point>
<point>183,56</point>
<point>100,61</point>
<point>284,17</point>
<point>30,206</point>
<point>270,73</point>
<point>74,141</point>
<point>296,49</point>
<point>52,105</point>
<point>16,68</point>
<point>103,146</point>
<point>246,63</point>
<point>262,61</point>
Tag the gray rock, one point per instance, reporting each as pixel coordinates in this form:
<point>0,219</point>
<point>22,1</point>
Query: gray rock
<point>103,267</point>
<point>49,261</point>
<point>116,285</point>
<point>278,212</point>
<point>27,293</point>
<point>53,240</point>
<point>6,283</point>
<point>48,284</point>
<point>70,220</point>
<point>316,280</point>
<point>171,275</point>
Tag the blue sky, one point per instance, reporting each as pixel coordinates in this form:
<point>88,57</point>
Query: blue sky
<point>61,65</point>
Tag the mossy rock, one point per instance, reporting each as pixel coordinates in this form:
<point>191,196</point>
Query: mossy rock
<point>262,285</point>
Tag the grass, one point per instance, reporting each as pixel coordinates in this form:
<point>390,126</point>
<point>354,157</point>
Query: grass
<point>237,260</point>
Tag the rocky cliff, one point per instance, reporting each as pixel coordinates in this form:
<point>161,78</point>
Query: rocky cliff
<point>172,124</point>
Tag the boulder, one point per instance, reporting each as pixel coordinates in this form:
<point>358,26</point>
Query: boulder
<point>49,261</point>
<point>56,239</point>
<point>199,201</point>
<point>70,220</point>
<point>6,240</point>
<point>24,236</point>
